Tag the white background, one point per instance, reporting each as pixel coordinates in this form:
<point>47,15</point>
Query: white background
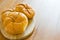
<point>48,16</point>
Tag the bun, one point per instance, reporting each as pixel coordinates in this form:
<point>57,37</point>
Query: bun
<point>14,22</point>
<point>26,9</point>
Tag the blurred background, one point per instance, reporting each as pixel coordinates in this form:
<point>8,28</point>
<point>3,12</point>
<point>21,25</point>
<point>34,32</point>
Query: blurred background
<point>47,17</point>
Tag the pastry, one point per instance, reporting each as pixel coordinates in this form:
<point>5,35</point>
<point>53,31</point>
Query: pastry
<point>26,9</point>
<point>14,22</point>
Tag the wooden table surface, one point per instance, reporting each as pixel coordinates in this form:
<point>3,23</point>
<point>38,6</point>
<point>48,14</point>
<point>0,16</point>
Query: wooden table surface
<point>47,20</point>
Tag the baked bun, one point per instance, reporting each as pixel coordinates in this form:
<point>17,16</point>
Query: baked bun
<point>26,9</point>
<point>14,22</point>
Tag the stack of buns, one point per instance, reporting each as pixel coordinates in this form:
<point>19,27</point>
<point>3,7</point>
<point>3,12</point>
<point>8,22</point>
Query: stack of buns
<point>15,21</point>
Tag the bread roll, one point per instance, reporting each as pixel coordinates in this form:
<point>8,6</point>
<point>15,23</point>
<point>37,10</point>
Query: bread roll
<point>14,22</point>
<point>26,9</point>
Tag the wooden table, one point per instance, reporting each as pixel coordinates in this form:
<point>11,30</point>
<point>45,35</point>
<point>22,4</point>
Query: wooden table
<point>47,20</point>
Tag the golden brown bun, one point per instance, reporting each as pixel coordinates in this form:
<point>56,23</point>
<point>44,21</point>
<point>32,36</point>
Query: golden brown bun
<point>14,22</point>
<point>26,9</point>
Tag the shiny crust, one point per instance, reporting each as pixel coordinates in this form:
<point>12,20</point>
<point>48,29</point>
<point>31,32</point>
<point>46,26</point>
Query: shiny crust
<point>26,9</point>
<point>14,22</point>
<point>14,17</point>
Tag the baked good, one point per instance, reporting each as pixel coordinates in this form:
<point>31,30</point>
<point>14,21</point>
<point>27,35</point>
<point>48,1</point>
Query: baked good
<point>26,9</point>
<point>14,22</point>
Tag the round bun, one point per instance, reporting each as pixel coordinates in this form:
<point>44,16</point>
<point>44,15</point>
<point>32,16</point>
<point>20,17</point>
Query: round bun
<point>14,22</point>
<point>26,9</point>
